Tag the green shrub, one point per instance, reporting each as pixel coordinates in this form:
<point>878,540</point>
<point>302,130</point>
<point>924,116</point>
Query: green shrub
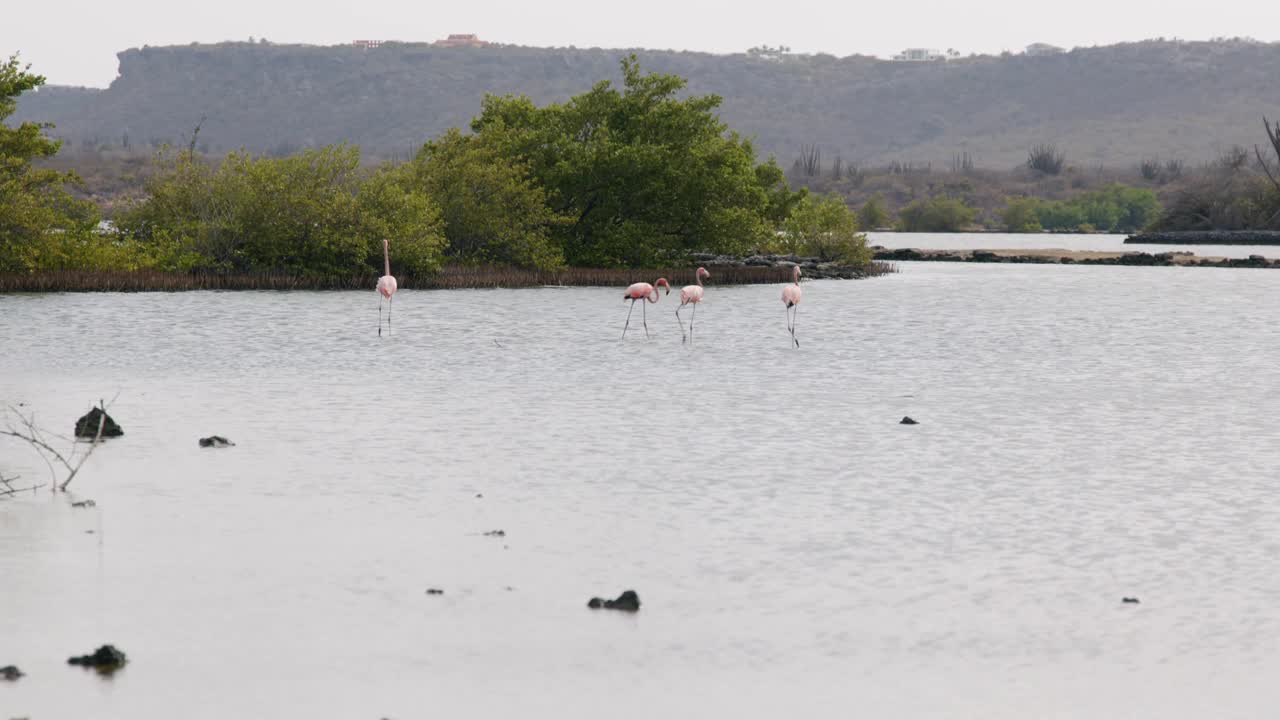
<point>936,215</point>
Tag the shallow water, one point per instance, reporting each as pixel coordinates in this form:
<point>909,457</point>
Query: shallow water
<point>1086,433</point>
<point>1063,241</point>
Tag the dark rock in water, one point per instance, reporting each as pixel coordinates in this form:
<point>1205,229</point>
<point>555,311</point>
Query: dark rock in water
<point>496,533</point>
<point>628,601</point>
<point>216,441</point>
<point>434,591</point>
<point>87,426</point>
<point>106,657</point>
<point>906,420</point>
<point>84,504</point>
<point>1130,600</point>
<point>10,672</point>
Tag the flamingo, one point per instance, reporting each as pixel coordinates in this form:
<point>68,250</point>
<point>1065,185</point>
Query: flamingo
<point>642,291</point>
<point>791,297</point>
<point>386,286</point>
<point>691,295</point>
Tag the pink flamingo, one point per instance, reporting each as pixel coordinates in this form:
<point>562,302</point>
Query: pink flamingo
<point>386,286</point>
<point>642,291</point>
<point>691,295</point>
<point>791,297</point>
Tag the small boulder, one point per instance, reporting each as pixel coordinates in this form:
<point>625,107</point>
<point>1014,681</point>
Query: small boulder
<point>906,420</point>
<point>435,591</point>
<point>10,672</point>
<point>628,601</point>
<point>1130,601</point>
<point>496,533</point>
<point>216,441</point>
<point>87,425</point>
<point>107,657</point>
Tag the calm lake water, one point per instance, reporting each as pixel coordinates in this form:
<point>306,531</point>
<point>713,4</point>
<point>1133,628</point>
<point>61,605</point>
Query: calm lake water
<point>1086,433</point>
<point>1037,241</point>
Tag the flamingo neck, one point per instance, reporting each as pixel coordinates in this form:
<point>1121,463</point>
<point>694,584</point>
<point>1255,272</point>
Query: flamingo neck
<point>386,256</point>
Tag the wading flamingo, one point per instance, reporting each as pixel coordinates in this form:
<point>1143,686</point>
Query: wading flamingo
<point>642,292</point>
<point>386,286</point>
<point>791,297</point>
<point>691,295</point>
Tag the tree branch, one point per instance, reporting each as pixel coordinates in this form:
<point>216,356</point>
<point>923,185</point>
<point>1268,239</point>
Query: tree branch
<point>32,435</point>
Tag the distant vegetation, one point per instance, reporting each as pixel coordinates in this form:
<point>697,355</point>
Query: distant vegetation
<point>1238,192</point>
<point>1115,105</point>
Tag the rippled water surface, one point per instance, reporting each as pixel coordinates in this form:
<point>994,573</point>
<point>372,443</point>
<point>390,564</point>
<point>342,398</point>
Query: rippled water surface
<point>1086,433</point>
<point>1063,241</point>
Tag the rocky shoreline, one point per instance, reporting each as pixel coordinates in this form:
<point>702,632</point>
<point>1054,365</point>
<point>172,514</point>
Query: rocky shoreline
<point>1073,257</point>
<point>1208,237</point>
<point>813,268</point>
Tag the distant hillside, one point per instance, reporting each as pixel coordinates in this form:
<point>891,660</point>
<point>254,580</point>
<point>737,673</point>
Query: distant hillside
<point>1108,105</point>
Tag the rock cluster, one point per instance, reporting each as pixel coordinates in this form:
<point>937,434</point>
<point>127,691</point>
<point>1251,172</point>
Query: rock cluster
<point>628,601</point>
<point>1184,259</point>
<point>1208,237</point>
<point>87,425</point>
<point>812,267</point>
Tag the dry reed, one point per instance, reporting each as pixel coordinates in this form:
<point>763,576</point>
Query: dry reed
<point>450,277</point>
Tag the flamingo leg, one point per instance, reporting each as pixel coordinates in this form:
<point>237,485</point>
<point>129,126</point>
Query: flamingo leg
<point>390,301</point>
<point>691,319</point>
<point>379,314</point>
<point>795,310</point>
<point>683,337</point>
<point>628,324</point>
<point>644,315</point>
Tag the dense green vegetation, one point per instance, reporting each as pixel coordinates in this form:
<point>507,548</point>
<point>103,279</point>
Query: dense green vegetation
<point>1115,208</point>
<point>39,220</point>
<point>940,214</point>
<point>640,175</point>
<point>823,226</point>
<point>314,213</point>
<point>615,177</point>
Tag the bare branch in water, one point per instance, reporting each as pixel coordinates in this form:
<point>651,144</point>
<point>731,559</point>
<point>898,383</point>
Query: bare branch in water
<point>31,433</point>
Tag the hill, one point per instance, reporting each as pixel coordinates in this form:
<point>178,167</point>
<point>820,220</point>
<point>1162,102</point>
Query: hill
<point>1110,105</point>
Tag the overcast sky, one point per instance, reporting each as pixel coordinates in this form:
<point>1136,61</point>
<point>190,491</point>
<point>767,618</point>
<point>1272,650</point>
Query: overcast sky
<point>75,42</point>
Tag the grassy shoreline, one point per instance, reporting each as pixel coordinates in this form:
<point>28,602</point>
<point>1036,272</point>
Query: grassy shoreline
<point>449,278</point>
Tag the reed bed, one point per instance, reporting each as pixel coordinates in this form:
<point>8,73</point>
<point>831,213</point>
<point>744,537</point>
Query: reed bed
<point>450,277</point>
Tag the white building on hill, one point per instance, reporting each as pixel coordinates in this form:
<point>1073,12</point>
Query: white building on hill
<point>919,55</point>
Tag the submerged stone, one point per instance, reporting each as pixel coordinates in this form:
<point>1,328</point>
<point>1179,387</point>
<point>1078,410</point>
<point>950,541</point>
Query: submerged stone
<point>216,441</point>
<point>906,420</point>
<point>10,672</point>
<point>87,425</point>
<point>1130,600</point>
<point>628,601</point>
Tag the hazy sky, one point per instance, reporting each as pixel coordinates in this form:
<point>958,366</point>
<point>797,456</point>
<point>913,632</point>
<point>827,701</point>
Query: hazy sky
<point>75,42</point>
